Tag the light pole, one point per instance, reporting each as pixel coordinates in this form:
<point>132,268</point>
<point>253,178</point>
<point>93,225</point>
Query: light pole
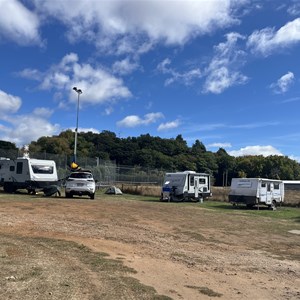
<point>79,92</point>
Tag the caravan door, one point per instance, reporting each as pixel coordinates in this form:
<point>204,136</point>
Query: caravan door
<point>191,183</point>
<point>266,191</point>
<point>270,188</point>
<point>196,187</point>
<point>193,189</point>
<point>203,184</point>
<point>263,192</point>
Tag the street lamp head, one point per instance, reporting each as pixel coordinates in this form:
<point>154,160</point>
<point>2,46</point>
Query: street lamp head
<point>78,91</point>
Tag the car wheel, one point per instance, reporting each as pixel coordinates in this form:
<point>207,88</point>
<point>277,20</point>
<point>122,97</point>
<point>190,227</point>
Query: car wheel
<point>92,196</point>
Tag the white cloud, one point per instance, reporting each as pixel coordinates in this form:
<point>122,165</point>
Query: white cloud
<point>9,103</point>
<point>43,112</point>
<point>293,99</point>
<point>186,78</point>
<point>18,24</point>
<point>268,40</point>
<point>200,127</point>
<point>23,129</point>
<point>283,83</point>
<point>97,84</point>
<point>108,110</point>
<point>30,74</point>
<point>255,150</point>
<point>219,145</point>
<point>223,70</point>
<point>255,125</point>
<point>130,121</point>
<point>168,125</point>
<point>83,129</point>
<point>219,127</point>
<point>297,158</point>
<point>108,22</point>
<point>149,105</point>
<point>124,66</point>
<point>134,121</point>
<point>294,9</point>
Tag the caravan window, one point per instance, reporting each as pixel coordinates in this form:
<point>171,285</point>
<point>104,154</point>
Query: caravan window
<point>12,168</point>
<point>191,180</point>
<point>40,169</point>
<point>269,187</point>
<point>19,167</point>
<point>263,184</point>
<point>276,186</point>
<point>202,181</point>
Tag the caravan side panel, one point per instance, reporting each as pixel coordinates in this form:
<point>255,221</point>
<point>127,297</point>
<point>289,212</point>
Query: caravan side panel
<point>244,191</point>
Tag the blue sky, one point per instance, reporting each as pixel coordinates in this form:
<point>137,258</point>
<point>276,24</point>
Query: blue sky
<point>225,72</point>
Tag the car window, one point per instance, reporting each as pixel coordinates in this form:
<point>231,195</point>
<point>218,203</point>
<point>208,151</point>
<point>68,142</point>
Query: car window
<point>82,175</point>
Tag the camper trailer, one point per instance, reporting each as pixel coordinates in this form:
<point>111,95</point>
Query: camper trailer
<point>27,173</point>
<point>255,191</point>
<point>185,186</point>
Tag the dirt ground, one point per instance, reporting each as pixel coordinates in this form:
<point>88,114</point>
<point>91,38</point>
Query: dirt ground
<point>180,251</point>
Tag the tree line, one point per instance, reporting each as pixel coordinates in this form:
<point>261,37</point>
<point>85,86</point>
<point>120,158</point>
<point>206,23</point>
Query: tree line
<point>166,154</point>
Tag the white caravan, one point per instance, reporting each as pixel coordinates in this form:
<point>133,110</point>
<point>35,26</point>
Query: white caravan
<point>255,191</point>
<point>185,186</point>
<point>27,173</point>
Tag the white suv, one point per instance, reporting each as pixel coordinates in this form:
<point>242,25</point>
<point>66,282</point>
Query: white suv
<point>80,183</point>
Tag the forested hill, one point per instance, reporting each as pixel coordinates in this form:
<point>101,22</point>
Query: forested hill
<point>166,154</point>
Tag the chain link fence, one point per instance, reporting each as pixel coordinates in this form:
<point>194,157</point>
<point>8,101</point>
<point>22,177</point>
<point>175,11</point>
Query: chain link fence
<point>106,172</point>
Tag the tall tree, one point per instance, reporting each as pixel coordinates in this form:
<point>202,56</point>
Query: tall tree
<point>198,148</point>
<point>7,145</point>
<point>226,165</point>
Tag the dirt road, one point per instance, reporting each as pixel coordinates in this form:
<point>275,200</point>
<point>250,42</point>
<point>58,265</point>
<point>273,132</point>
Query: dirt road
<point>183,251</point>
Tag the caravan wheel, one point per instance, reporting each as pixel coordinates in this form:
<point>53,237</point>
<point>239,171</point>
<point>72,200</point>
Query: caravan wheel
<point>31,191</point>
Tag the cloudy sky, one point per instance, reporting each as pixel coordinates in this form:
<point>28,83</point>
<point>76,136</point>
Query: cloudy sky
<point>225,72</point>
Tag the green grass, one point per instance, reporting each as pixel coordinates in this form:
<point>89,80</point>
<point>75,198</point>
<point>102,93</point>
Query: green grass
<point>283,212</point>
<point>287,213</point>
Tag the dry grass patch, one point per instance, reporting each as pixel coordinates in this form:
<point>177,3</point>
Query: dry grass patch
<point>205,291</point>
<point>42,268</point>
